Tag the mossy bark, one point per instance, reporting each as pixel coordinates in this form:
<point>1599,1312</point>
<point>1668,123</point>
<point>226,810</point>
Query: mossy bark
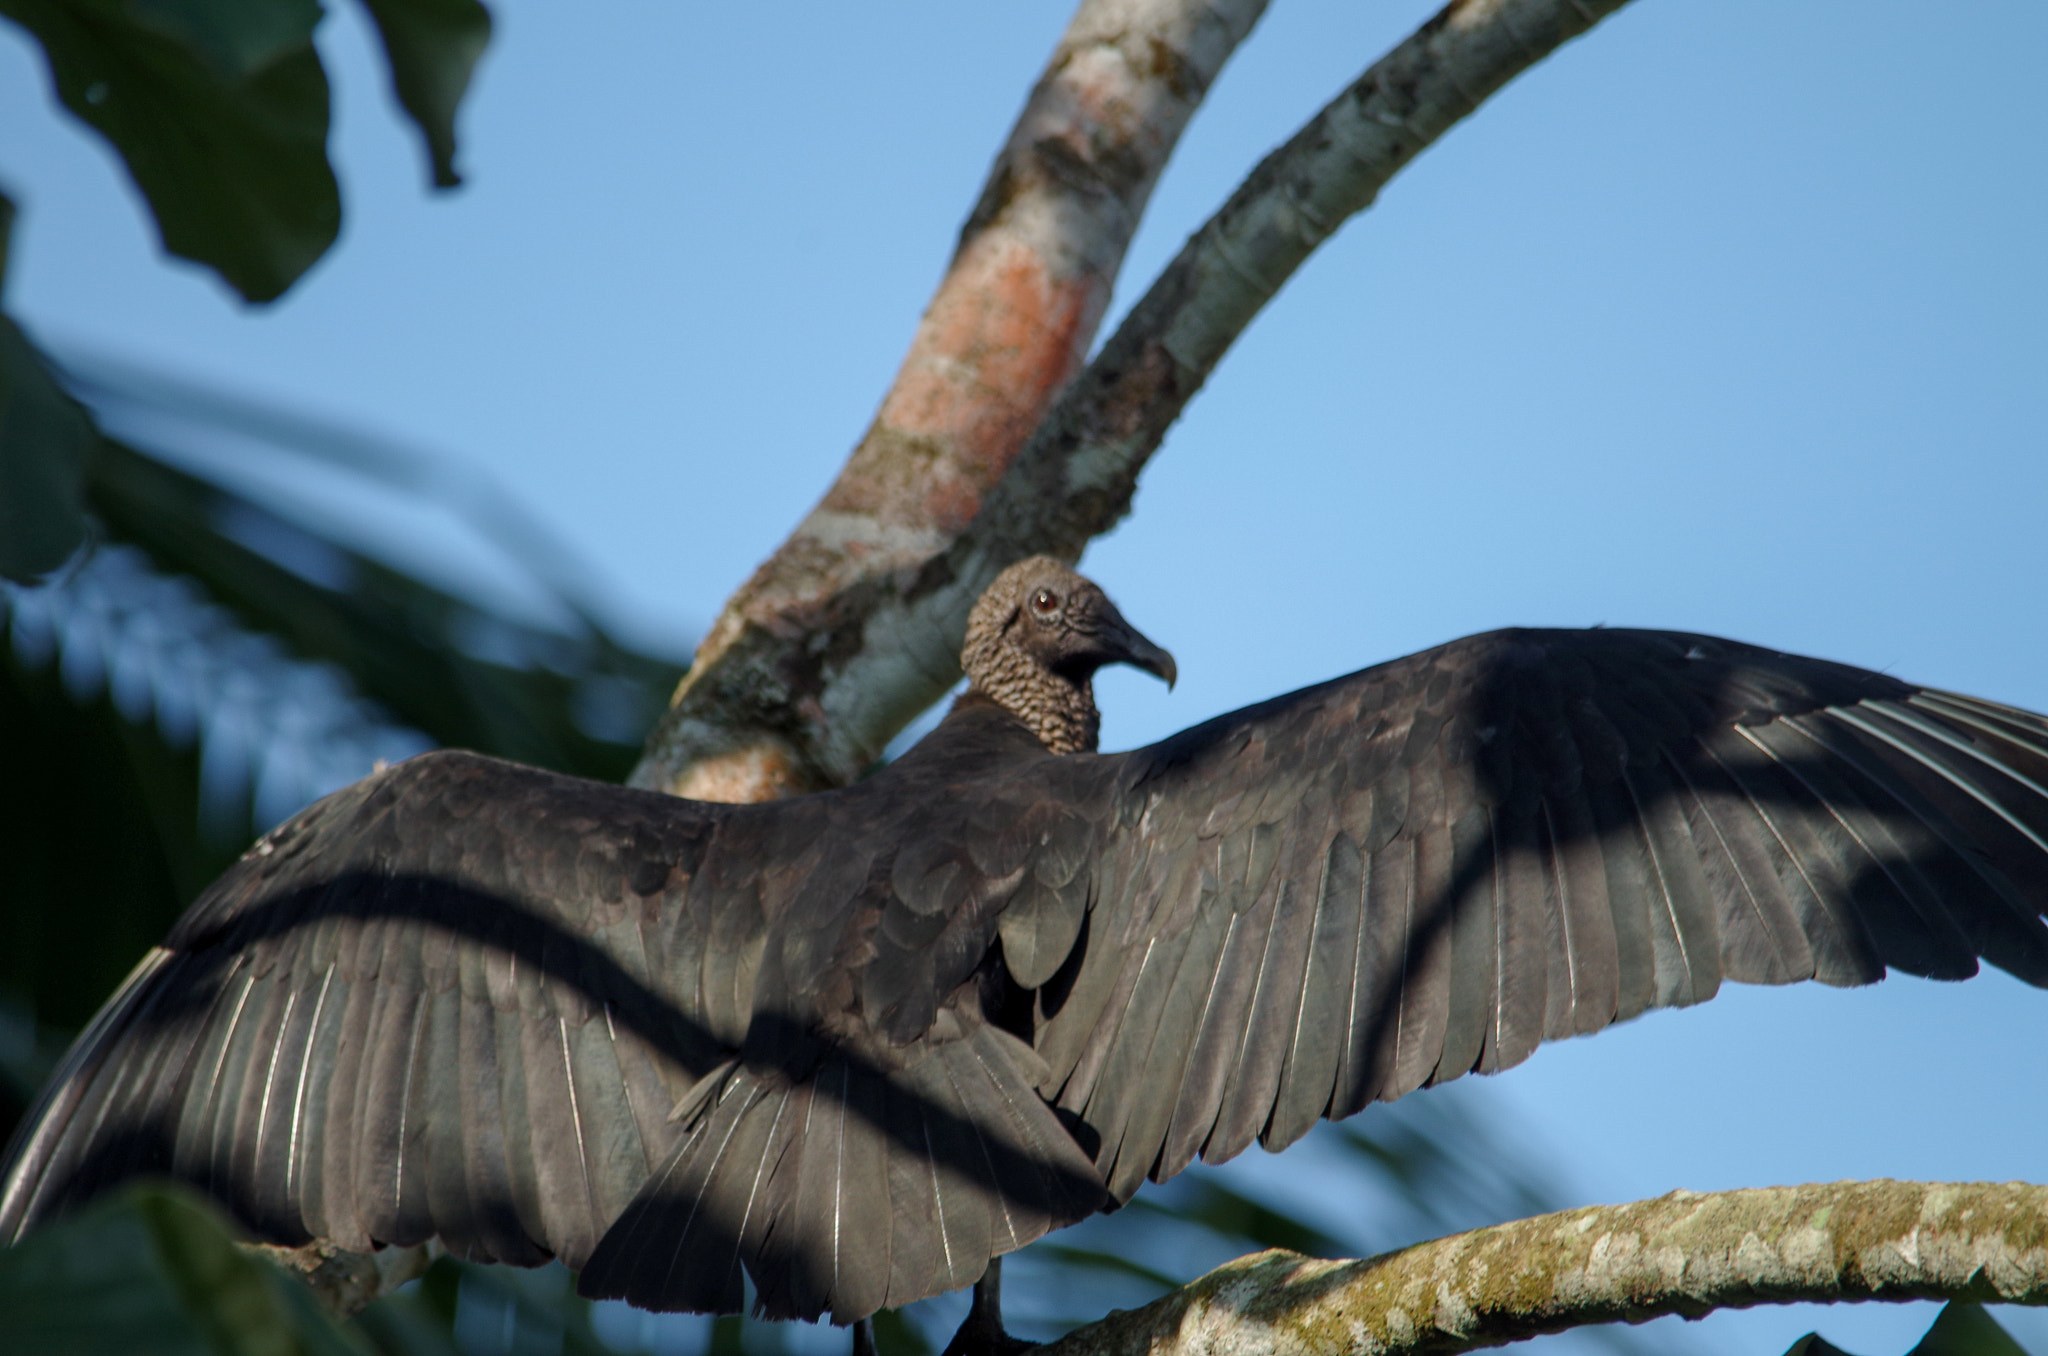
<point>1685,1253</point>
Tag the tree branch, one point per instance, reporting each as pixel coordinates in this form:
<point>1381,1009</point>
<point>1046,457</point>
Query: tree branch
<point>1683,1253</point>
<point>851,676</point>
<point>1010,324</point>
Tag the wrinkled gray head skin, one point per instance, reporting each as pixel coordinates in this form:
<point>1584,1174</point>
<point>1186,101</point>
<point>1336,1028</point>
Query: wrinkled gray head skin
<point>1036,638</point>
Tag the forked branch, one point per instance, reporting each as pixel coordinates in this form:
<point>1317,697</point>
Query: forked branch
<point>1014,317</point>
<point>807,695</point>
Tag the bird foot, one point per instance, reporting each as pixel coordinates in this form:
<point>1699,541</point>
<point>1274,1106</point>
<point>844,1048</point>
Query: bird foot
<point>982,1336</point>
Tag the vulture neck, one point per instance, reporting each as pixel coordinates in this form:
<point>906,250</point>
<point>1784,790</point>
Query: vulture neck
<point>1059,711</point>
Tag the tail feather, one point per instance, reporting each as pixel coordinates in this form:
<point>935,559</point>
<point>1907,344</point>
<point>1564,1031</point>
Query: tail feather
<point>852,1190</point>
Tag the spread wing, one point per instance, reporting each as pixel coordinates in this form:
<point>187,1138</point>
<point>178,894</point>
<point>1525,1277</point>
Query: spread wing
<point>460,998</point>
<point>1431,866</point>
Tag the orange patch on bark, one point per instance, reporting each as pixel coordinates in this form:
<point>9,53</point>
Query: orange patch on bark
<point>998,342</point>
<point>763,771</point>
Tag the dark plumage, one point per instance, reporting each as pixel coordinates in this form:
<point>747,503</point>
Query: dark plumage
<point>859,1043</point>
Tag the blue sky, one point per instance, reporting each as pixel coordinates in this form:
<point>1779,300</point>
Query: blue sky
<point>1730,318</point>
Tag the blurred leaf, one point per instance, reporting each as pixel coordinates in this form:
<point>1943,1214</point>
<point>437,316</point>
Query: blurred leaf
<point>897,1336</point>
<point>220,110</point>
<point>1095,1259</point>
<point>1960,1329</point>
<point>1207,1202</point>
<point>400,639</point>
<point>6,235</point>
<point>523,1309</point>
<point>1813,1344</point>
<point>433,46</point>
<point>111,820</point>
<point>99,828</point>
<point>46,440</point>
<point>1964,1329</point>
<point>398,1325</point>
<point>123,394</point>
<point>155,1269</point>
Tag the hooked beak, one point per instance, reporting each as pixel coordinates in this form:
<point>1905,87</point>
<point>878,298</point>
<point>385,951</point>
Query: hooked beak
<point>1123,643</point>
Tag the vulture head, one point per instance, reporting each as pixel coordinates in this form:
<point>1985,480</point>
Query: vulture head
<point>1036,638</point>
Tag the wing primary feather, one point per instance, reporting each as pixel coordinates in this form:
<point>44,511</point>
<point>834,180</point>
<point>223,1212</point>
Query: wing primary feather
<point>931,1162</point>
<point>701,1194</point>
<point>1123,1092</point>
<point>1201,1083</point>
<point>195,1146</point>
<point>1969,788</point>
<point>1830,949</point>
<point>1902,908</point>
<point>2021,737</point>
<point>1082,1085</point>
<point>1269,1024</point>
<point>445,1145</point>
<point>294,1173</point>
<point>1990,891</point>
<point>1526,936</point>
<point>1406,1014</point>
<point>1687,938</point>
<point>274,1208</point>
<point>754,1219</point>
<point>1425,1012</point>
<point>838,1173</point>
<point>1236,1033</point>
<point>1578,860</point>
<point>1153,1071</point>
<point>1760,938</point>
<point>1468,900</point>
<point>1843,951</point>
<point>291,999</point>
<point>45,1177</point>
<point>1309,1080</point>
<point>235,1129</point>
<point>1014,1238</point>
<point>576,1119</point>
<point>1357,1071</point>
<point>399,1197</point>
<point>485,1166</point>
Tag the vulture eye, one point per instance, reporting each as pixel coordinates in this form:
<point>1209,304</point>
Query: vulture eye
<point>1045,602</point>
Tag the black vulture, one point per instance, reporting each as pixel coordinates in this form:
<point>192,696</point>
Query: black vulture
<point>856,1045</point>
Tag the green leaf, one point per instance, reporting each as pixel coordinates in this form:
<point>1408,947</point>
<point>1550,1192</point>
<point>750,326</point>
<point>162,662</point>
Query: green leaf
<point>896,1335</point>
<point>99,827</point>
<point>237,38</point>
<point>1960,1329</point>
<point>1209,1203</point>
<point>1813,1344</point>
<point>220,109</point>
<point>396,636</point>
<point>433,46</point>
<point>6,234</point>
<point>46,440</point>
<point>1964,1329</point>
<point>155,1269</point>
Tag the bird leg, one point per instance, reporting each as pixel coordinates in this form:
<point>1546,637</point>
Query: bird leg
<point>982,1334</point>
<point>864,1337</point>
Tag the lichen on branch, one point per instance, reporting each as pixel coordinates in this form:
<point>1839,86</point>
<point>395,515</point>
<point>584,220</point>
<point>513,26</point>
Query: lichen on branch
<point>1685,1253</point>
